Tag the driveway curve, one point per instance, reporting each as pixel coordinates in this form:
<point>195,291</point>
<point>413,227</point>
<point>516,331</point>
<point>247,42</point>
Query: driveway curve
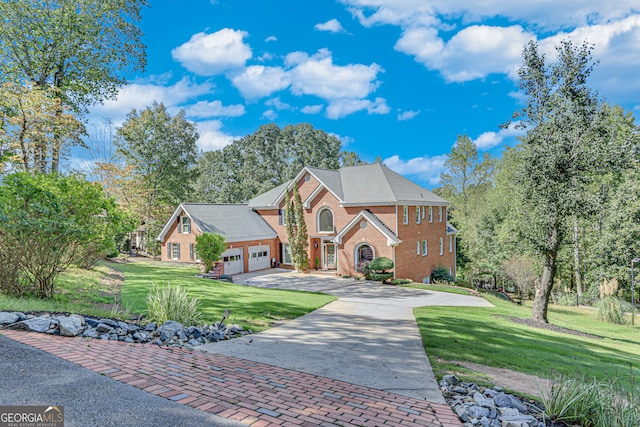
<point>367,337</point>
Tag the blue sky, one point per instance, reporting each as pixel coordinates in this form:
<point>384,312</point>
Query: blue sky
<point>398,79</point>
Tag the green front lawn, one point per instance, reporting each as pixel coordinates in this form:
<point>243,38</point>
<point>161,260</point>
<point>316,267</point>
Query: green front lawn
<point>252,308</point>
<point>476,334</point>
<point>77,291</point>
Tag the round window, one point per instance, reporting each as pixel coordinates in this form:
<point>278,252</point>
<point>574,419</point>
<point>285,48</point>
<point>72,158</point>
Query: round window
<point>363,224</point>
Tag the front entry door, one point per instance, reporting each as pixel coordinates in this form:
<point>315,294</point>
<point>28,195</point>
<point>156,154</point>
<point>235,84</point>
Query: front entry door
<point>329,256</point>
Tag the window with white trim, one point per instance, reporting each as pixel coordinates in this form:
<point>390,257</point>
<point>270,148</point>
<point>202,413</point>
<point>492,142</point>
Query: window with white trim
<point>439,213</point>
<point>450,243</point>
<point>282,218</point>
<point>186,225</point>
<point>425,249</point>
<point>325,220</point>
<point>441,246</point>
<point>286,253</point>
<point>423,210</point>
<point>364,255</point>
<point>418,247</point>
<point>430,213</point>
<point>405,214</point>
<point>173,251</point>
<point>417,214</point>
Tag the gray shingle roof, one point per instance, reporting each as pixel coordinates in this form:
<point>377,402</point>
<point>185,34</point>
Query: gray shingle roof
<point>236,222</point>
<point>373,184</point>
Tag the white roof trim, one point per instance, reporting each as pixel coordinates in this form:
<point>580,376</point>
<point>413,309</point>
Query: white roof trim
<point>449,226</point>
<point>392,239</point>
<point>169,223</point>
<point>298,178</point>
<point>313,195</point>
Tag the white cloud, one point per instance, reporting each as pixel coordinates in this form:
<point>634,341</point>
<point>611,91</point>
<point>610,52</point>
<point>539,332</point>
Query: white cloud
<point>212,137</point>
<point>278,104</point>
<point>269,115</point>
<point>333,26</point>
<point>206,109</point>
<point>317,75</point>
<point>339,108</point>
<point>546,14</point>
<point>140,95</point>
<point>454,39</point>
<point>271,39</point>
<point>407,115</point>
<point>490,139</point>
<point>211,54</point>
<point>312,109</point>
<point>472,53</point>
<point>258,81</point>
<point>426,168</point>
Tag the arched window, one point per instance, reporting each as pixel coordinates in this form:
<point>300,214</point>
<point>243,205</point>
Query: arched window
<point>325,220</point>
<point>364,255</point>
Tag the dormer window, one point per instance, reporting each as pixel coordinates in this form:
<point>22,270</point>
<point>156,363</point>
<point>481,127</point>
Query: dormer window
<point>186,225</point>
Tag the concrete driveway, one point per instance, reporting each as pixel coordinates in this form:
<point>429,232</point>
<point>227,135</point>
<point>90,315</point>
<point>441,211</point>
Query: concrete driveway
<point>367,337</point>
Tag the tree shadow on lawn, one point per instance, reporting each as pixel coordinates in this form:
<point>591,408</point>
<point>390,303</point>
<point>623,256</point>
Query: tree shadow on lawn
<point>522,348</point>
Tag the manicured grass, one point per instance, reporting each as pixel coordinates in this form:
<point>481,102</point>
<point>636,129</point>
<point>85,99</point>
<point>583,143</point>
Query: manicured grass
<point>76,291</point>
<point>252,308</point>
<point>475,334</point>
<point>440,288</point>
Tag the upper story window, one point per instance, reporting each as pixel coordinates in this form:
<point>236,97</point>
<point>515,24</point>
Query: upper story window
<point>186,225</point>
<point>417,214</point>
<point>441,246</point>
<point>430,213</point>
<point>325,220</point>
<point>439,213</point>
<point>405,214</point>
<point>282,218</point>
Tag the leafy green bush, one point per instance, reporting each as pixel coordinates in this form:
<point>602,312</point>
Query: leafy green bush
<point>400,281</point>
<point>566,299</point>
<point>377,269</point>
<point>611,309</point>
<point>172,303</point>
<point>209,247</point>
<point>441,275</point>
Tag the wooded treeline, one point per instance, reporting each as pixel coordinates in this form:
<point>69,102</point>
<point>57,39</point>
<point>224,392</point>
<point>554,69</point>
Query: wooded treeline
<point>560,210</point>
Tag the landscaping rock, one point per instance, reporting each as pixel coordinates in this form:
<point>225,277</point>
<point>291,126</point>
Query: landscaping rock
<point>8,318</point>
<point>34,324</point>
<point>170,333</point>
<point>70,326</point>
<point>488,407</point>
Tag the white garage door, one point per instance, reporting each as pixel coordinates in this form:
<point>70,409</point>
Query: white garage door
<point>232,259</point>
<point>259,257</point>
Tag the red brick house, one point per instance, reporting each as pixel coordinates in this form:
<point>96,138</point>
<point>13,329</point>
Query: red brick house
<point>353,215</point>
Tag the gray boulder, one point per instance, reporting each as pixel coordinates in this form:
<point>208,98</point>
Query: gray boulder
<point>8,318</point>
<point>70,326</point>
<point>169,329</point>
<point>104,328</point>
<point>35,324</point>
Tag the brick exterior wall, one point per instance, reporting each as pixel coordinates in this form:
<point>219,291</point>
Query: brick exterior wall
<point>175,236</point>
<point>414,266</point>
<point>409,264</point>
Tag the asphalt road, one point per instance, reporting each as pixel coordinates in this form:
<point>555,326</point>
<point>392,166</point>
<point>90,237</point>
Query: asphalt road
<point>32,377</point>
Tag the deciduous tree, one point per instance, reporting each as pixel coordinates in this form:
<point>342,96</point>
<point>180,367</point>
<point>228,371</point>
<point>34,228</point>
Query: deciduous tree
<point>264,160</point>
<point>51,222</point>
<point>79,49</point>
<point>162,151</point>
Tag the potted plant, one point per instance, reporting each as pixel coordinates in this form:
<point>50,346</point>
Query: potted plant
<point>317,263</point>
